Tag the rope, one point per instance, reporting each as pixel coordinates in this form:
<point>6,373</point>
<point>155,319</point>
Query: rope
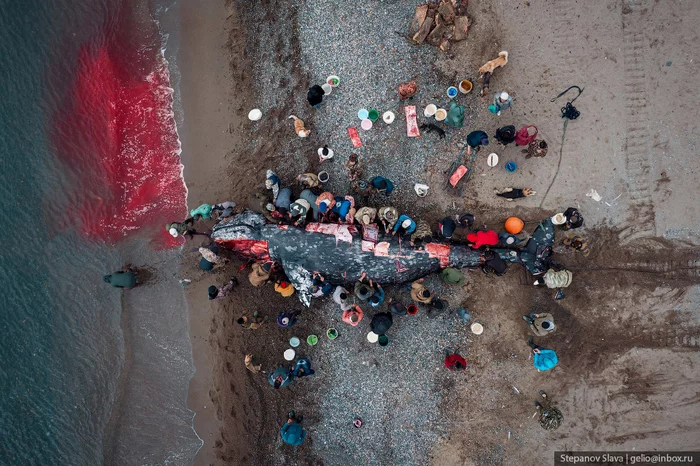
<point>569,112</point>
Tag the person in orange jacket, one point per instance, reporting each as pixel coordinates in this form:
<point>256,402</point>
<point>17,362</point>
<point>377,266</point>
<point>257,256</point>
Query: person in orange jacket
<point>353,316</point>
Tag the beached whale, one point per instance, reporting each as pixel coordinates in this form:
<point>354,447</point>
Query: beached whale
<point>341,255</point>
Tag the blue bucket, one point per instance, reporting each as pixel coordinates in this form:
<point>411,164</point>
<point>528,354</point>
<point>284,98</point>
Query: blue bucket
<point>511,167</point>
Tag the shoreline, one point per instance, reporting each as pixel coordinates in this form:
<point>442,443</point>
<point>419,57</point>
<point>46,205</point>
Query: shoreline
<point>206,96</point>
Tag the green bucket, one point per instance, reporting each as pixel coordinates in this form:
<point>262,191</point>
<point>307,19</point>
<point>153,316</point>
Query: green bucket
<point>332,333</point>
<point>383,340</point>
<point>373,115</point>
<point>312,340</point>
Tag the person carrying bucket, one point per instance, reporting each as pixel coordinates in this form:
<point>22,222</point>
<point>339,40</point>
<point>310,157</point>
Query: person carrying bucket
<point>501,101</point>
<point>362,290</point>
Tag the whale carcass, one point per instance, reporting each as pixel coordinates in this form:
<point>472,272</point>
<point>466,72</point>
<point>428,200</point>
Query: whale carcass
<point>341,255</point>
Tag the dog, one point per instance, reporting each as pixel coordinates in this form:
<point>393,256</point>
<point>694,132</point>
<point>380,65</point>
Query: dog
<point>515,193</point>
<point>487,70</point>
<point>299,127</point>
<point>429,127</point>
<point>494,64</point>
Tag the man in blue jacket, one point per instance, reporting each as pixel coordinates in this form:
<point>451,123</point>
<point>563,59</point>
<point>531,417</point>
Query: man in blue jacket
<point>292,433</point>
<point>543,358</point>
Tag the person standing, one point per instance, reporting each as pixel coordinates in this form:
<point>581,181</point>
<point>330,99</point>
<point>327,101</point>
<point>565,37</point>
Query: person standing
<point>222,291</point>
<point>342,297</point>
<point>381,184</point>
<point>455,362</point>
<point>124,278</point>
<point>251,323</point>
<point>365,215</point>
<point>537,148</point>
<point>574,219</point>
<point>388,215</point>
<point>447,227</point>
<point>286,319</point>
<point>284,288</point>
<point>475,140</point>
<point>291,432</point>
<point>540,324</point>
<point>501,101</point>
<point>578,244</point>
<point>354,167</point>
<point>259,274</point>
<point>353,316</point>
<point>302,368</point>
<point>544,359</point>
<point>281,378</point>
<point>377,298</point>
<point>272,182</point>
<point>421,233</point>
<point>451,276</point>
<point>404,225</point>
<point>420,293</point>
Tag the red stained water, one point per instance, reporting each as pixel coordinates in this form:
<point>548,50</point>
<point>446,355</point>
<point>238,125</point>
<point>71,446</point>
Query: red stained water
<point>118,137</point>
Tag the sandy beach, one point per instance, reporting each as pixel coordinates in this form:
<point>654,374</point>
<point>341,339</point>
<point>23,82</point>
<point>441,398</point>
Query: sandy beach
<point>628,333</point>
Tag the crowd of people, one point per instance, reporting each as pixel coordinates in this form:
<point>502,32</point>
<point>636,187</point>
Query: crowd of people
<point>307,200</point>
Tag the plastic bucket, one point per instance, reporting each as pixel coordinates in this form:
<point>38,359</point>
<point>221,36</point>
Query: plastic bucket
<point>383,340</point>
<point>451,92</point>
<point>388,117</point>
<point>289,354</point>
<point>332,333</point>
<point>255,114</point>
<point>366,124</point>
<point>323,177</point>
<point>440,114</point>
<point>294,342</point>
<point>373,115</point>
<point>327,89</point>
<point>412,309</point>
<point>477,328</point>
<point>333,80</point>
<point>430,110</point>
<point>492,160</point>
<point>372,337</point>
<point>511,167</point>
<point>465,86</point>
<point>312,340</point>
<point>362,114</point>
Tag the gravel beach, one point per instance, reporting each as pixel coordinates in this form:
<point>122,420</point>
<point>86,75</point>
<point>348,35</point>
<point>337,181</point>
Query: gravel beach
<point>631,307</point>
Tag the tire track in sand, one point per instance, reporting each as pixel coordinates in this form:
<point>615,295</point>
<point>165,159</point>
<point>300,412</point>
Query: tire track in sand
<point>641,219</point>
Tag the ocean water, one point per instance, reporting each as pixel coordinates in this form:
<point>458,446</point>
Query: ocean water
<point>90,171</point>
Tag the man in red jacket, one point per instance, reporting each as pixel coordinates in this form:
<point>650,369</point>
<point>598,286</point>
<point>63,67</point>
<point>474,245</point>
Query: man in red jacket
<point>483,238</point>
<point>455,362</point>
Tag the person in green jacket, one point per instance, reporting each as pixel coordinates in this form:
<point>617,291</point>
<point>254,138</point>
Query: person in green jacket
<point>125,278</point>
<point>204,211</point>
<point>451,276</point>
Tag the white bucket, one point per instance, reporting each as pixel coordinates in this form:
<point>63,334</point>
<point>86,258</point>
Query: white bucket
<point>255,114</point>
<point>388,117</point>
<point>326,88</point>
<point>289,354</point>
<point>492,159</point>
<point>477,328</point>
<point>430,110</point>
<point>372,337</point>
<point>333,80</point>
